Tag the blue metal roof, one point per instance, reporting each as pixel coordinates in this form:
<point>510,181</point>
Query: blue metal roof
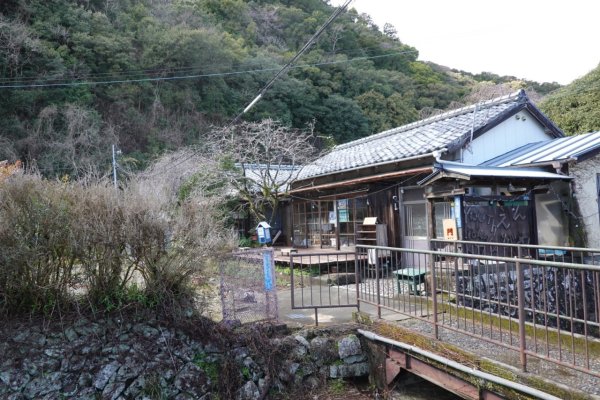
<point>549,151</point>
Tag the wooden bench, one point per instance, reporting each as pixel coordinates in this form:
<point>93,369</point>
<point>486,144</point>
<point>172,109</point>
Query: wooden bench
<point>412,276</point>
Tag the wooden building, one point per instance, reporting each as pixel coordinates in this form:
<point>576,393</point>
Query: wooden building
<point>402,177</point>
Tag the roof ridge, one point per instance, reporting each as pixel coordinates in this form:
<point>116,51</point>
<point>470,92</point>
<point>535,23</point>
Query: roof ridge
<point>518,95</point>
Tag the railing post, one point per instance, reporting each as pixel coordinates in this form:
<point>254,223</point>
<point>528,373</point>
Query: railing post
<point>521,305</point>
<point>431,266</point>
<point>357,276</point>
<point>292,278</point>
<point>434,297</point>
<point>377,283</point>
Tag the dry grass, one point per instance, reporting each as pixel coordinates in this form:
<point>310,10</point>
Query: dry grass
<point>86,243</point>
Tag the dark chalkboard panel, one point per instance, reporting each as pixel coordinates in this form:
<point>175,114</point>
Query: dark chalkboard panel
<point>499,220</point>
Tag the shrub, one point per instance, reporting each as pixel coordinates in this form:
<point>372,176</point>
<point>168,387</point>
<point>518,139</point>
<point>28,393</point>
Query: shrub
<point>64,242</point>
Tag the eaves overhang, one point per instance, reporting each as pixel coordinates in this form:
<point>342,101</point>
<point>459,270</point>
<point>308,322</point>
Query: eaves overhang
<point>310,186</point>
<point>456,171</point>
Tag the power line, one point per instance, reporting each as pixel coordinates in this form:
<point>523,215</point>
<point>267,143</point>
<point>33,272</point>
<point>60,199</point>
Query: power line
<point>290,63</point>
<point>196,76</point>
<point>365,51</point>
<point>284,69</point>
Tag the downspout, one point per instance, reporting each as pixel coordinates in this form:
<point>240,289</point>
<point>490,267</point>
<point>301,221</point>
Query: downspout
<point>460,367</point>
<point>468,146</point>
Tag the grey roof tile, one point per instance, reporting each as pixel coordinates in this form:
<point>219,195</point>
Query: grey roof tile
<point>418,138</point>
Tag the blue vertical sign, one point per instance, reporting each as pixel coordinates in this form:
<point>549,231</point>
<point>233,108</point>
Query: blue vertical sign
<point>267,271</point>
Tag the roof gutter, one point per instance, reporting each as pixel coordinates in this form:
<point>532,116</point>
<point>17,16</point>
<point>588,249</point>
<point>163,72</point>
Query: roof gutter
<point>556,164</point>
<point>434,154</point>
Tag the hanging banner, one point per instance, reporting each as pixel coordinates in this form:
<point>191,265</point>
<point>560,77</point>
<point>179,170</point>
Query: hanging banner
<point>332,218</point>
<point>344,215</point>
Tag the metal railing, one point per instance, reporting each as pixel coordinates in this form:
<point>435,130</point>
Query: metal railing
<point>323,280</point>
<point>541,301</point>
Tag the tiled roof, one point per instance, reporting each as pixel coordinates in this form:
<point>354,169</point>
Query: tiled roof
<point>548,151</point>
<point>448,130</point>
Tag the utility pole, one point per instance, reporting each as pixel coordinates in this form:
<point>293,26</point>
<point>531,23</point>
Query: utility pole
<point>114,165</point>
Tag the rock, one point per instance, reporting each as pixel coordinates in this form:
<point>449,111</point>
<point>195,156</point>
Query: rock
<point>69,385</point>
<point>349,370</point>
<point>85,379</point>
<point>306,369</point>
<point>41,386</point>
<point>349,346</point>
<point>185,396</point>
<point>312,382</point>
<point>302,341</point>
<point>90,348</point>
<point>323,350</point>
<point>71,334</point>
<point>254,369</point>
<point>146,330</point>
<point>14,379</point>
<point>88,329</point>
<point>185,354</point>
<point>192,380</point>
<point>136,387</point>
<point>87,393</point>
<point>48,364</point>
<point>211,348</point>
<point>297,349</point>
<point>129,370</point>
<point>240,353</point>
<point>263,385</point>
<point>112,391</point>
<point>288,371</point>
<point>104,375</point>
<point>355,359</point>
<point>54,352</point>
<point>248,392</point>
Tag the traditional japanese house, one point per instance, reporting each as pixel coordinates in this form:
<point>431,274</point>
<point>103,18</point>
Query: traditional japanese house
<point>406,177</point>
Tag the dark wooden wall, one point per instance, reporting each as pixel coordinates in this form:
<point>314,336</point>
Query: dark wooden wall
<point>381,205</point>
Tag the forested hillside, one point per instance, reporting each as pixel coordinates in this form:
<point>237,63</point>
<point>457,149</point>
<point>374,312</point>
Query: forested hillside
<point>576,107</point>
<point>150,75</point>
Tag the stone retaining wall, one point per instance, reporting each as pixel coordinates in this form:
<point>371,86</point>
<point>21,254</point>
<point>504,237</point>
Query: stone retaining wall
<point>111,359</point>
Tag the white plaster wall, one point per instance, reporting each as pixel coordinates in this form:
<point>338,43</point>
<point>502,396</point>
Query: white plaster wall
<point>584,174</point>
<point>552,222</point>
<point>507,136</point>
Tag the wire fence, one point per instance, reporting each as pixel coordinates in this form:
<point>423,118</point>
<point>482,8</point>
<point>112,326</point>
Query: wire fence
<point>247,288</point>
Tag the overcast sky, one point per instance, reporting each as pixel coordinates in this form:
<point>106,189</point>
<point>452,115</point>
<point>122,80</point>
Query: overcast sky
<point>538,40</point>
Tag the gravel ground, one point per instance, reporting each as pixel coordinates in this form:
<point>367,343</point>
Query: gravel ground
<point>548,370</point>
